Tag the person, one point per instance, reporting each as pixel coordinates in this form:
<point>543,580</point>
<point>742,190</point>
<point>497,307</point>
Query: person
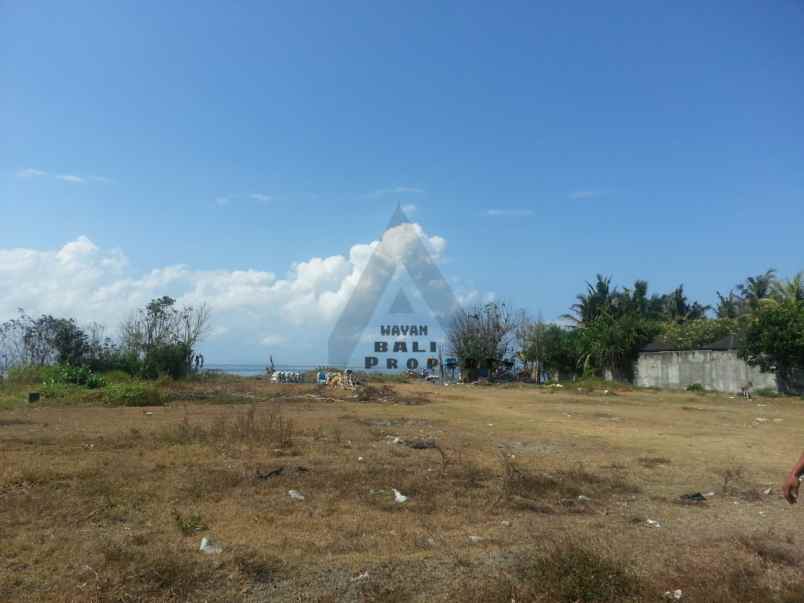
<point>791,484</point>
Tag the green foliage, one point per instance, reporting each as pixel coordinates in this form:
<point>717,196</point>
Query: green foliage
<point>695,333</point>
<point>695,387</point>
<point>73,375</point>
<point>481,337</point>
<point>166,359</point>
<point>28,374</point>
<point>133,394</point>
<point>613,342</point>
<point>773,339</point>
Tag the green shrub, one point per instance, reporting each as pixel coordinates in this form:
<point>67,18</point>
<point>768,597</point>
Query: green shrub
<point>768,392</point>
<point>133,394</point>
<point>53,390</point>
<point>75,375</point>
<point>117,376</point>
<point>171,360</point>
<point>695,387</point>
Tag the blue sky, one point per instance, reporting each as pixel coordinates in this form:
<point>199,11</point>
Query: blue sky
<point>543,143</point>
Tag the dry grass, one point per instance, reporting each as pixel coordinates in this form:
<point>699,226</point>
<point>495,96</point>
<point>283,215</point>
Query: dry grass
<point>513,492</point>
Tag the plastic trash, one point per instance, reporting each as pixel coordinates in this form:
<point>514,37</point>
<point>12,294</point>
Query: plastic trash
<point>653,523</point>
<point>399,498</point>
<point>209,546</point>
<point>673,595</point>
<point>295,495</point>
<point>475,539</point>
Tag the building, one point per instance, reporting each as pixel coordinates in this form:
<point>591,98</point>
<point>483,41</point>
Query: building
<point>714,366</point>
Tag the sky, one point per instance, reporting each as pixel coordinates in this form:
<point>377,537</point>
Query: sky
<point>250,155</point>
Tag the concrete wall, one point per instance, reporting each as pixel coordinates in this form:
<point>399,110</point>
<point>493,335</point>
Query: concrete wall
<point>718,371</point>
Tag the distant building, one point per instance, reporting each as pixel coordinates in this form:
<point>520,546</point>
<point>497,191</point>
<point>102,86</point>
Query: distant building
<point>715,366</point>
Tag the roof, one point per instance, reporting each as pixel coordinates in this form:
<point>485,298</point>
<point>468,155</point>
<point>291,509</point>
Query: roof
<point>724,344</point>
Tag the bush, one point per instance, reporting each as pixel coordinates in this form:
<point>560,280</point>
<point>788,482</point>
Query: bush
<point>133,394</point>
<point>75,375</point>
<point>695,387</point>
<point>166,360</point>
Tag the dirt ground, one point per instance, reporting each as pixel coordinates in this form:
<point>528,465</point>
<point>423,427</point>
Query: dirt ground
<point>514,493</point>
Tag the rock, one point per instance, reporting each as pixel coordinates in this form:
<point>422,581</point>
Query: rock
<point>673,595</point>
<point>295,495</point>
<point>363,576</point>
<point>475,539</point>
<point>209,546</point>
<point>767,491</point>
<point>653,523</point>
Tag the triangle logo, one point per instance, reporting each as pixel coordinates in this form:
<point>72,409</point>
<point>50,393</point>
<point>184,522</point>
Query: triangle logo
<point>401,246</point>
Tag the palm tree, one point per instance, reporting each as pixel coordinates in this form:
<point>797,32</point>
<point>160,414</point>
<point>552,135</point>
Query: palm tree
<point>791,289</point>
<point>597,299</point>
<point>756,288</point>
<point>729,306</point>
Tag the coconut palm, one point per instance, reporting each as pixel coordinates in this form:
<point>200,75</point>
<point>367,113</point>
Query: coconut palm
<point>599,297</point>
<point>757,288</point>
<point>791,289</point>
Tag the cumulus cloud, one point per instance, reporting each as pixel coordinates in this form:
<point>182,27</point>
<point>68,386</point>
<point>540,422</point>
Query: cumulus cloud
<point>249,306</point>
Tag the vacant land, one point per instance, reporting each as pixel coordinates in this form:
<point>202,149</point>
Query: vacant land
<point>514,493</point>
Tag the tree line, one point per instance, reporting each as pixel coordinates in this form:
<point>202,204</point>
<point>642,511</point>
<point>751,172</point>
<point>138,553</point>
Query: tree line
<point>158,339</point>
<point>607,326</point>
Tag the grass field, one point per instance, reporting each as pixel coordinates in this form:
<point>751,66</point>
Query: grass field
<point>515,493</point>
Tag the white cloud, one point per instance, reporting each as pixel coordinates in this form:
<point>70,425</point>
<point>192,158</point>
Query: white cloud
<point>72,178</point>
<point>261,197</point>
<point>250,307</point>
<point>30,173</point>
<point>409,209</point>
<point>509,212</point>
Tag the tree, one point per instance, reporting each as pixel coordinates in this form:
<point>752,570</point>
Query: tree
<point>560,351</point>
<point>791,289</point>
<point>757,288</point>
<point>729,306</point>
<point>70,342</point>
<point>161,332</point>
<point>613,342</point>
<point>597,299</point>
<point>676,307</point>
<point>481,337</point>
<point>773,340</point>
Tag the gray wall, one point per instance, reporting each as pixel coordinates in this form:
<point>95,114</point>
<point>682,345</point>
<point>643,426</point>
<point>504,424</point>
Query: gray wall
<point>718,371</point>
